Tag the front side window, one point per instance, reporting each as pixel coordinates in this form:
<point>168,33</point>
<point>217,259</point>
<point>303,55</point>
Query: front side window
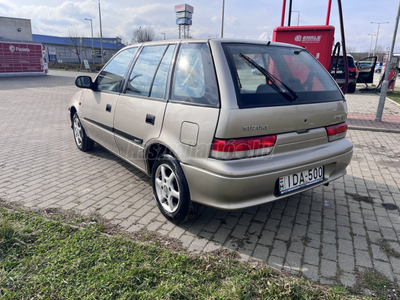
<point>111,77</point>
<point>274,76</point>
<point>144,70</point>
<point>194,77</point>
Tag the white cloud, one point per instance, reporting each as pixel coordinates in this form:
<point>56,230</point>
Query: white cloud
<point>264,36</point>
<point>243,19</point>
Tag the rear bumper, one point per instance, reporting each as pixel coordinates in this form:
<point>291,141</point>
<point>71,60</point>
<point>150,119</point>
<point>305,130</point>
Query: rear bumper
<point>342,81</point>
<point>229,187</point>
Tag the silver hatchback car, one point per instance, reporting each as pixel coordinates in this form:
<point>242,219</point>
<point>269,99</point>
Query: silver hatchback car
<point>223,122</point>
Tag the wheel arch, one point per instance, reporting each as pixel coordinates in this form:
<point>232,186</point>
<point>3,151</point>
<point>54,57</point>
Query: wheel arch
<point>155,150</point>
<point>72,113</point>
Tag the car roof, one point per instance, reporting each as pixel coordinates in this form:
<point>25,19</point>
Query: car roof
<point>215,41</point>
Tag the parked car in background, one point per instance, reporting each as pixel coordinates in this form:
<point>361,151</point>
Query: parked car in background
<point>366,69</point>
<point>338,73</point>
<point>223,122</point>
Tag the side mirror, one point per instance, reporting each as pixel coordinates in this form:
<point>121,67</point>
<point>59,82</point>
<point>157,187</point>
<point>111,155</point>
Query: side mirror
<point>84,82</point>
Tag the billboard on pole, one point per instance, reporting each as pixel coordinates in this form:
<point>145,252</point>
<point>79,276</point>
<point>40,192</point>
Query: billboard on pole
<point>183,14</point>
<point>184,7</point>
<point>184,21</point>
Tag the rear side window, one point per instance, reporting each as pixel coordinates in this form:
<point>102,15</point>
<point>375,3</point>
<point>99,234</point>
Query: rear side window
<point>160,81</point>
<point>194,77</point>
<point>144,70</point>
<point>277,76</point>
<point>111,77</point>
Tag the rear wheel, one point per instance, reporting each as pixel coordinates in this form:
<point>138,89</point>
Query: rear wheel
<point>351,88</point>
<point>81,140</point>
<point>171,190</point>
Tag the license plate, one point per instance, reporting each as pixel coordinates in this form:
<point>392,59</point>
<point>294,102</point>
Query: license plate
<point>301,179</point>
<point>339,72</point>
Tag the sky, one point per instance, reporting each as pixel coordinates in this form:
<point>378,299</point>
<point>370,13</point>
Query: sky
<point>253,19</point>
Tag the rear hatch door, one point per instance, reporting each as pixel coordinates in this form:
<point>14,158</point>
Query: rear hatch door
<point>291,95</point>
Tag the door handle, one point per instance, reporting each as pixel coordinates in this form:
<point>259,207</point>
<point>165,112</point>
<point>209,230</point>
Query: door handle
<point>150,119</point>
<point>108,107</point>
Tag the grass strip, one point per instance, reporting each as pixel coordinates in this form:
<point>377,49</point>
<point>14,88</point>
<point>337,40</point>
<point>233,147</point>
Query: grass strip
<point>47,259</point>
<point>395,96</point>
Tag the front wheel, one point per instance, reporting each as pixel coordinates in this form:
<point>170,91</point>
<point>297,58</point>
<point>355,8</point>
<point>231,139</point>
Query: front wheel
<point>81,140</point>
<point>171,190</point>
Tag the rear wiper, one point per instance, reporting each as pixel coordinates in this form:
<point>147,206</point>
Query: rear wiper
<point>283,89</point>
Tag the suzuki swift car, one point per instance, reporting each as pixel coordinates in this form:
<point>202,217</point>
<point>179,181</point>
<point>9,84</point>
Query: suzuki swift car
<point>222,122</point>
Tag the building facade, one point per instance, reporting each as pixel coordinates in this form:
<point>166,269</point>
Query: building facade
<point>62,49</point>
<point>66,49</point>
<point>15,29</point>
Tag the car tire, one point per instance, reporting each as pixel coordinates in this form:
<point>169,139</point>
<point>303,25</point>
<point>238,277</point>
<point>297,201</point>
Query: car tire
<point>351,88</point>
<point>81,139</point>
<point>171,190</point>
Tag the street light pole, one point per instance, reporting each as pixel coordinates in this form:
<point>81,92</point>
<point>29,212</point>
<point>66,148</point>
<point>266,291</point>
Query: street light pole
<point>163,34</point>
<point>370,44</point>
<point>377,34</point>
<point>222,24</point>
<point>101,37</point>
<point>91,27</point>
<point>385,83</point>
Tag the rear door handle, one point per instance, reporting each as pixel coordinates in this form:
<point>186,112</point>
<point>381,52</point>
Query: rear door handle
<point>150,119</point>
<point>108,107</point>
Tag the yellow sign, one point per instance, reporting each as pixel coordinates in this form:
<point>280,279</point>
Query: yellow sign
<point>87,67</point>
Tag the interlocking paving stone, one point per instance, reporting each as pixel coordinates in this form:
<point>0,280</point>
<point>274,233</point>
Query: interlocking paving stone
<point>327,230</point>
<point>348,279</point>
<point>328,268</point>
<point>310,272</point>
<point>346,262</point>
<point>363,259</point>
<point>311,256</point>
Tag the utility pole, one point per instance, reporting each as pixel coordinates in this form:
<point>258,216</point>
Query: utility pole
<point>101,36</point>
<point>91,27</point>
<point>377,34</point>
<point>222,24</point>
<point>385,83</point>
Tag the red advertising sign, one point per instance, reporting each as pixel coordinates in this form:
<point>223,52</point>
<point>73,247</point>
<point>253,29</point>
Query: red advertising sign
<point>318,40</point>
<point>184,7</point>
<point>22,58</point>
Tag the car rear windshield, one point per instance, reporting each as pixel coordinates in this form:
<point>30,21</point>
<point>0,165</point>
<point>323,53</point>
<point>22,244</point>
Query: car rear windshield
<point>350,61</point>
<point>276,76</point>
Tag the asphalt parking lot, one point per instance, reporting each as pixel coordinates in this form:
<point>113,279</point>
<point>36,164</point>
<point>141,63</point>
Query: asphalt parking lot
<point>329,234</point>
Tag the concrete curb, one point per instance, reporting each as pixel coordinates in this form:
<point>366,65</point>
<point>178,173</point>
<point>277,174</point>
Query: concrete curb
<point>373,129</point>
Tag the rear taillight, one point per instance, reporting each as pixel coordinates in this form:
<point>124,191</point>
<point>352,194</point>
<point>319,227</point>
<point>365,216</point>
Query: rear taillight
<point>242,148</point>
<point>336,132</point>
<point>353,70</point>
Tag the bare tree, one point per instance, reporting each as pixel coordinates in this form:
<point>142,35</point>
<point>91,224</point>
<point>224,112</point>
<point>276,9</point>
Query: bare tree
<point>350,50</point>
<point>74,43</point>
<point>145,34</point>
<point>380,52</point>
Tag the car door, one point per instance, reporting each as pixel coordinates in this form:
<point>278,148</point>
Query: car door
<point>99,104</point>
<point>140,109</point>
<point>366,68</point>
